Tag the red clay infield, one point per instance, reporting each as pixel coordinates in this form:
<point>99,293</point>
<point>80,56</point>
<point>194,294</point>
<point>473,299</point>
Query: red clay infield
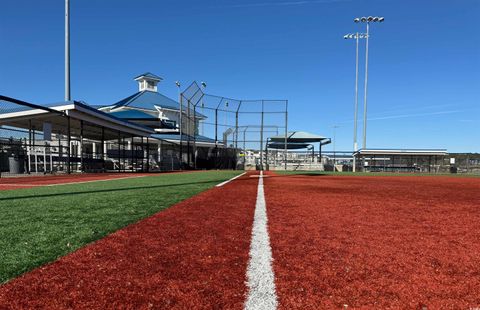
<point>375,242</point>
<point>191,256</point>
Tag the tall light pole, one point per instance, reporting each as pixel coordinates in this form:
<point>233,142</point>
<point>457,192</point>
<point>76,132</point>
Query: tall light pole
<point>67,50</point>
<point>355,36</point>
<point>180,130</point>
<point>366,20</point>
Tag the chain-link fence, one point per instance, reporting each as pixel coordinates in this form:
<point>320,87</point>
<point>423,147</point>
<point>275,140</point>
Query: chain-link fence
<point>220,131</point>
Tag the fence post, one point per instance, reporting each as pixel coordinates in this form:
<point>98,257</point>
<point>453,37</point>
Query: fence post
<point>261,140</point>
<point>131,153</point>
<point>118,151</point>
<point>286,133</point>
<point>81,147</point>
<point>148,156</point>
<point>180,125</point>
<point>69,144</point>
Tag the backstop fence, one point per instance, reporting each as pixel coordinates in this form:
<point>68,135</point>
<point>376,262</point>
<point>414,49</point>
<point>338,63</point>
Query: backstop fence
<point>235,127</point>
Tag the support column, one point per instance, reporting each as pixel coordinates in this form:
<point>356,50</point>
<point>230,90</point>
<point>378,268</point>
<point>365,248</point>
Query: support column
<point>29,149</point>
<point>103,149</point>
<point>123,153</point>
<point>132,154</point>
<point>148,156</point>
<point>81,147</point>
<point>143,155</point>
<point>59,157</point>
<point>118,151</point>
<point>69,140</point>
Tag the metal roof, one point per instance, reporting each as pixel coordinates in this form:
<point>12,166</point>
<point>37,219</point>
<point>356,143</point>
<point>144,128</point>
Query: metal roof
<point>133,114</point>
<point>149,75</point>
<point>176,137</point>
<point>290,146</point>
<point>298,137</point>
<point>25,115</point>
<point>411,152</point>
<point>148,100</point>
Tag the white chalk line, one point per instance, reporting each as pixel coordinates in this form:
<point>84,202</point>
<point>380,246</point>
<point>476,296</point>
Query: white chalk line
<point>228,181</point>
<point>260,277</point>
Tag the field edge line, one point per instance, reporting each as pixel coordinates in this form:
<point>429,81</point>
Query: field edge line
<point>260,277</point>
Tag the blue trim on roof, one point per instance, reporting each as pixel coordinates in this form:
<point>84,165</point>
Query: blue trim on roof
<point>133,114</point>
<point>176,137</point>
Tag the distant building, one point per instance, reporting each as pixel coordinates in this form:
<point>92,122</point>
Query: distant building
<point>150,108</point>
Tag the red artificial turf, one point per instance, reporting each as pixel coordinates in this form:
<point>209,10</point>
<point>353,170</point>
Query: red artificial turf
<point>375,242</point>
<point>191,256</point>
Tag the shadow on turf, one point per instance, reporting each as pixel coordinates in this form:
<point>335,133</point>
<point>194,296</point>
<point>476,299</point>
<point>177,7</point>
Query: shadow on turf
<point>310,174</point>
<point>109,190</point>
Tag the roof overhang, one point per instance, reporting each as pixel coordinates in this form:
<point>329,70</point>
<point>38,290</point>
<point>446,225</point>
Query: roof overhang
<point>409,152</point>
<point>58,114</point>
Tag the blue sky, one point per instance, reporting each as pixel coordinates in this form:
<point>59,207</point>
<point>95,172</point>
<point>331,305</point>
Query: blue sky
<point>424,72</point>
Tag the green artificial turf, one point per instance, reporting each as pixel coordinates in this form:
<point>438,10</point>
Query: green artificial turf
<point>38,225</point>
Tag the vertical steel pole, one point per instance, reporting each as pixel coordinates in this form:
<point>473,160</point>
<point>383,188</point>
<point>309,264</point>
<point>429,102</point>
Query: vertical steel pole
<point>180,128</point>
<point>124,159</point>
<point>103,149</point>
<point>216,137</point>
<point>29,150</point>
<point>365,91</point>
<point>286,132</point>
<point>67,50</point>
<point>81,146</point>
<point>148,155</point>
<point>261,140</point>
<point>118,150</point>
<point>188,133</point>
<point>143,155</point>
<point>355,121</point>
<point>69,142</point>
<point>236,130</point>
<point>132,153</point>
<point>195,131</point>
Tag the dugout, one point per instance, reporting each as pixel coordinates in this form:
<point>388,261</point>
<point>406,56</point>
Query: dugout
<point>296,140</point>
<point>69,136</point>
<point>400,160</point>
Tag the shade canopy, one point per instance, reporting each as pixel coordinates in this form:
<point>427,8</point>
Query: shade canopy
<point>290,146</point>
<point>298,137</point>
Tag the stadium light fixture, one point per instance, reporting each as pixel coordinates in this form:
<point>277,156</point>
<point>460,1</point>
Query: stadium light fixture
<point>367,20</point>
